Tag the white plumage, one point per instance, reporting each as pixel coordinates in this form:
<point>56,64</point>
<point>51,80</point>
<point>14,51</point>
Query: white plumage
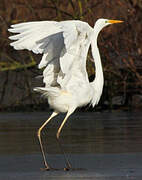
<point>64,46</point>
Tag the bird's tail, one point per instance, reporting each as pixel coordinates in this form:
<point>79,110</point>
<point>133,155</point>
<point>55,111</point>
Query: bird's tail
<point>48,91</point>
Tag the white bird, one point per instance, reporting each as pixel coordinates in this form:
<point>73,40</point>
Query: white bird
<point>64,46</point>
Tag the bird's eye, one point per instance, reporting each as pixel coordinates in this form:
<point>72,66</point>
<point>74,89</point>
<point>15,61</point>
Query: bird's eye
<point>106,21</point>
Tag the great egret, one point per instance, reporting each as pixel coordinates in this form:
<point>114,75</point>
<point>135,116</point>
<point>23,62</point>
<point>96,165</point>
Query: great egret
<point>64,46</point>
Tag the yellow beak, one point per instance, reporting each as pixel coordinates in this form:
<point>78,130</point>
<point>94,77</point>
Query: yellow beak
<point>115,21</point>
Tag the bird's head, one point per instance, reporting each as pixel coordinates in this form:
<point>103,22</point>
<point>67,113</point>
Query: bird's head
<point>101,23</point>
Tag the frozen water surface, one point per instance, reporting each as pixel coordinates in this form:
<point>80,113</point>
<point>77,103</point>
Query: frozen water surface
<point>105,146</point>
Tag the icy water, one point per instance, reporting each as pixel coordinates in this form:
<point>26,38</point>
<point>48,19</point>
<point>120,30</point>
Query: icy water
<point>106,146</point>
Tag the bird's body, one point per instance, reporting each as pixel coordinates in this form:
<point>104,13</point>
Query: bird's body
<point>72,89</point>
<point>64,46</point>
<point>72,84</point>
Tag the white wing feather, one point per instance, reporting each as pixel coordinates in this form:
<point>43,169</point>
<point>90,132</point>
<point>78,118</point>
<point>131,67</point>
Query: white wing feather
<point>31,33</point>
<point>58,41</point>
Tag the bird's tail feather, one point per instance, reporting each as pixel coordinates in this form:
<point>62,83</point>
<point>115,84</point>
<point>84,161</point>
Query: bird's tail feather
<point>47,91</point>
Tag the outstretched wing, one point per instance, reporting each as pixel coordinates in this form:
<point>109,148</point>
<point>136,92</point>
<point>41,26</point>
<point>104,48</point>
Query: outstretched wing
<point>30,33</point>
<point>57,41</point>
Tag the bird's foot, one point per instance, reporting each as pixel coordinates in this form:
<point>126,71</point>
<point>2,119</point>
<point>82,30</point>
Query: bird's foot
<point>47,168</point>
<point>74,169</point>
<point>67,169</point>
<point>68,166</point>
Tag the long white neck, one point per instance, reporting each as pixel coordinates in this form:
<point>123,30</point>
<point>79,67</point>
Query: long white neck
<point>98,82</point>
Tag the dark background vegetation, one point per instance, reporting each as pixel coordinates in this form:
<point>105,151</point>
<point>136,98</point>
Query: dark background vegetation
<point>120,47</point>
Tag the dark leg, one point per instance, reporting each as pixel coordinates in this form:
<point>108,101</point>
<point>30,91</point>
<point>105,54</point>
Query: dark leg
<point>68,165</point>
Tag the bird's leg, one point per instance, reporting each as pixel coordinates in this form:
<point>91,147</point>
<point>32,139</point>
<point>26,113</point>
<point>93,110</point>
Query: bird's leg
<point>58,134</point>
<point>40,142</point>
